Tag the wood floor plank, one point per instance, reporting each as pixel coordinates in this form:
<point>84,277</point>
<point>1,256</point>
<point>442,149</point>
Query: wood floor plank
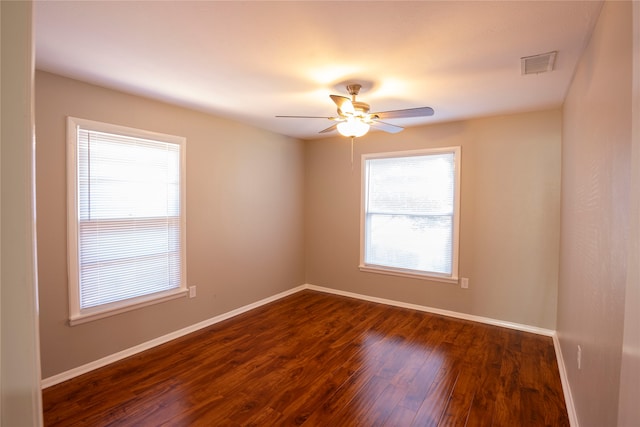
<point>314,359</point>
<point>400,416</point>
<point>432,409</point>
<point>419,387</point>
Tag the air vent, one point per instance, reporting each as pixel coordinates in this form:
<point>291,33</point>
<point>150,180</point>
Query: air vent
<point>537,64</point>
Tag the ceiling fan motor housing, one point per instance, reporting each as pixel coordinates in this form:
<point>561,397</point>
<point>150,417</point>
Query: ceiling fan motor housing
<point>360,107</point>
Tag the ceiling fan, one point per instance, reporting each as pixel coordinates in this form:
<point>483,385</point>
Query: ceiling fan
<point>354,119</point>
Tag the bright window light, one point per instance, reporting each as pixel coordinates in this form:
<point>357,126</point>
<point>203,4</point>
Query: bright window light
<point>410,212</point>
<point>126,217</point>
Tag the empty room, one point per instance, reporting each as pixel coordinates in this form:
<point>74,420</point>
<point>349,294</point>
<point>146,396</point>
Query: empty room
<point>318,213</point>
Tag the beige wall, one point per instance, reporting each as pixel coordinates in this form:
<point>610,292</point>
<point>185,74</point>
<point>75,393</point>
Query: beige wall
<point>509,217</point>
<point>510,212</point>
<point>244,218</point>
<point>596,170</point>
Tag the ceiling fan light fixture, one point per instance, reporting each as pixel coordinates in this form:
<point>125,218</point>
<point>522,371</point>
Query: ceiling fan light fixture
<point>354,119</point>
<point>353,127</point>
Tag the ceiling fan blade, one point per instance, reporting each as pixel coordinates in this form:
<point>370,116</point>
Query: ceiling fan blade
<point>386,126</point>
<point>409,112</point>
<point>329,129</point>
<point>305,117</point>
<point>344,104</point>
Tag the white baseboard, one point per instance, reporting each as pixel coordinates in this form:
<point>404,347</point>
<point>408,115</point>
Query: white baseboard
<point>566,389</point>
<point>72,373</point>
<point>464,316</point>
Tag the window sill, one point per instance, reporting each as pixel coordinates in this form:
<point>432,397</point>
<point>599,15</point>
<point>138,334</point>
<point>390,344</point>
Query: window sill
<point>112,309</point>
<point>408,273</point>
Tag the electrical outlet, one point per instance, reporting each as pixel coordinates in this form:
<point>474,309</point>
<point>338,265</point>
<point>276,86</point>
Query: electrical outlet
<point>464,283</point>
<point>192,291</point>
<point>579,357</point>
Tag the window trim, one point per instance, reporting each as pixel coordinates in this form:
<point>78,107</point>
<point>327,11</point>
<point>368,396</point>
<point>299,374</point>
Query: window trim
<point>76,314</point>
<point>402,272</point>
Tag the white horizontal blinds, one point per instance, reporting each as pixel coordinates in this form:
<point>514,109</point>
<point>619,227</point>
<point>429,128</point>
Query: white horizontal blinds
<point>410,212</point>
<point>129,217</point>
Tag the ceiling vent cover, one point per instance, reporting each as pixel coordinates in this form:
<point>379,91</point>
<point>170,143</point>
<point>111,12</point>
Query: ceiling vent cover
<point>537,64</point>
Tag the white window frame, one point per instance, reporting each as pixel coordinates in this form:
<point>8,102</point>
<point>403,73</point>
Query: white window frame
<point>76,314</point>
<point>374,268</point>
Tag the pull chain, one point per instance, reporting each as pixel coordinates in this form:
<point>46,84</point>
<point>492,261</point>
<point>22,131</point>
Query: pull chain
<point>352,152</point>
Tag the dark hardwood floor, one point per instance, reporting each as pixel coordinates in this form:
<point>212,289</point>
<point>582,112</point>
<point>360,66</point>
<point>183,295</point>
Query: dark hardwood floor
<point>315,359</point>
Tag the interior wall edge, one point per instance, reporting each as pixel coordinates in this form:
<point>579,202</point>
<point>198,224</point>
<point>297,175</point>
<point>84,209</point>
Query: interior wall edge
<point>20,397</point>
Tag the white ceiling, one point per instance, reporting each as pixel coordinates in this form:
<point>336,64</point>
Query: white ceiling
<point>251,61</point>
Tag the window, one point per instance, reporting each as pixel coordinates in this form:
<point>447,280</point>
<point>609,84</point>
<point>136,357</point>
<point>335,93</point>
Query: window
<point>410,208</point>
<point>126,218</point>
